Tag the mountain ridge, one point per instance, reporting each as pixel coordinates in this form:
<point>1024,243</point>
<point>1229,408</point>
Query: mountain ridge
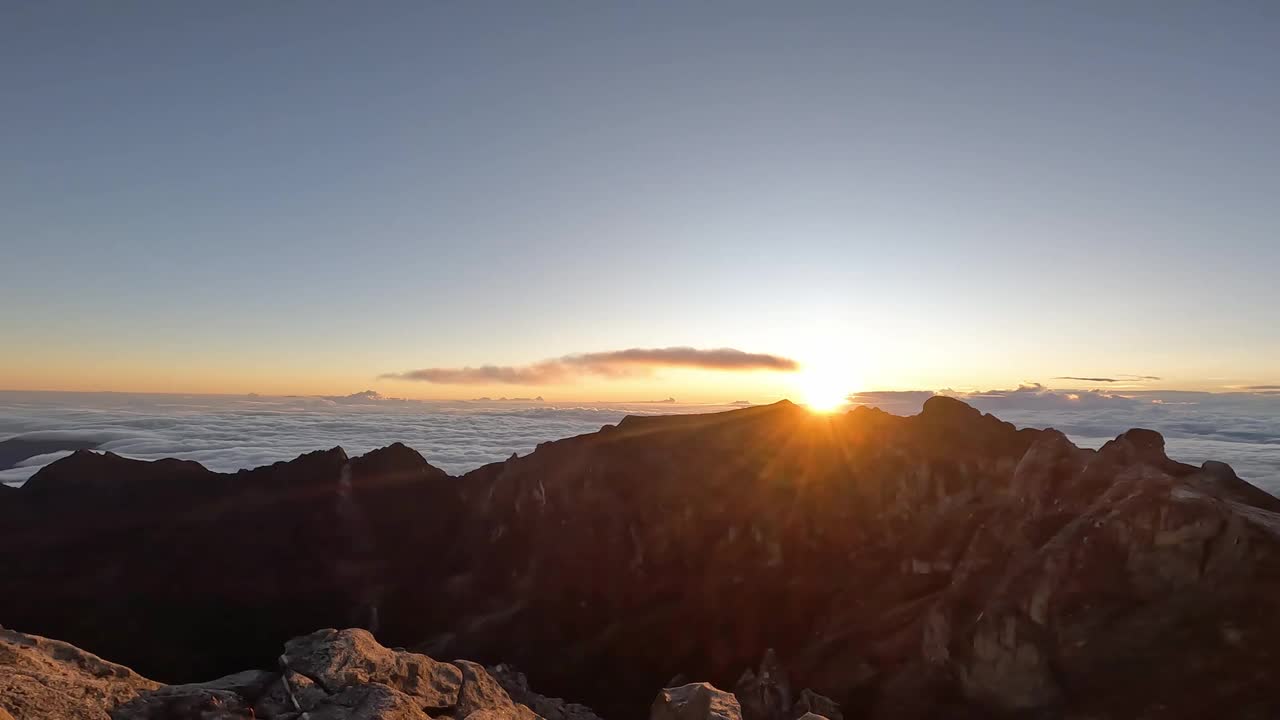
<point>897,564</point>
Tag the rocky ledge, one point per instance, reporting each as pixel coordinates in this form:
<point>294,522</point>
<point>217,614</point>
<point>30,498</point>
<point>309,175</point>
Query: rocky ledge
<point>327,675</point>
<point>338,675</point>
<point>42,678</point>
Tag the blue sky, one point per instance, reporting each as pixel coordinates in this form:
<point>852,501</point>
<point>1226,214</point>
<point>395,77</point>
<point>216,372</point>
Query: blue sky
<point>304,196</point>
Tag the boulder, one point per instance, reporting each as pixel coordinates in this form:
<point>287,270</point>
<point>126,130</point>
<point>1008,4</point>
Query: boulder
<point>482,696</point>
<point>337,659</point>
<point>695,701</point>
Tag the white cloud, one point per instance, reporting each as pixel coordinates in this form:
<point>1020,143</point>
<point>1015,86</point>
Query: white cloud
<point>230,433</point>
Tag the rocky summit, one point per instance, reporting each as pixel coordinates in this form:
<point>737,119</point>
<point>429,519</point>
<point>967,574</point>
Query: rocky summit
<point>764,564</point>
<point>327,675</point>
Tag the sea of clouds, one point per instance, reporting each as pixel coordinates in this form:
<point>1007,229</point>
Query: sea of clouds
<point>227,433</point>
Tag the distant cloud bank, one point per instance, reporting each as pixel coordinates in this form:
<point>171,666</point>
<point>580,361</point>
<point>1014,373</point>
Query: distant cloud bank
<point>227,433</point>
<point>616,364</point>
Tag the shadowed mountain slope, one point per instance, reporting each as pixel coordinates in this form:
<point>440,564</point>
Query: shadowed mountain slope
<point>898,565</point>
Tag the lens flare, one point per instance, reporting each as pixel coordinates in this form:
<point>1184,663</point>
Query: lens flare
<point>824,391</point>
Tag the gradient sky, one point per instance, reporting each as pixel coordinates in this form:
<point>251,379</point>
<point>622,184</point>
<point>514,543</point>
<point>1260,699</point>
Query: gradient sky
<point>300,197</point>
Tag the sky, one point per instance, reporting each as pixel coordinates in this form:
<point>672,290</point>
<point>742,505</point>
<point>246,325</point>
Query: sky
<point>324,198</point>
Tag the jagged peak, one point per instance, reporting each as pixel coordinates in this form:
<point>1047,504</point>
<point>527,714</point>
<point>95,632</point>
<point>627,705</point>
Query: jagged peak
<point>945,407</point>
<point>396,462</point>
<point>397,453</point>
<point>335,455</point>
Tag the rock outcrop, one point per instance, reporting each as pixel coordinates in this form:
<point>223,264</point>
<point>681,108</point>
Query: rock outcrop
<point>896,565</point>
<point>43,678</point>
<point>337,675</point>
<point>695,701</point>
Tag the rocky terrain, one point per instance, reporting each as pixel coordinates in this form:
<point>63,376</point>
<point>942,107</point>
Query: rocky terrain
<point>940,565</point>
<point>42,678</point>
<point>326,675</point>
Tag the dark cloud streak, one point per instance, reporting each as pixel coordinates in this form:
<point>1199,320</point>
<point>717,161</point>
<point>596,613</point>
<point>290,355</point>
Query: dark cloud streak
<point>1118,378</point>
<point>619,363</point>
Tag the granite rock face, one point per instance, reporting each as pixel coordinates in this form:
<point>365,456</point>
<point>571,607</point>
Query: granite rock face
<point>335,659</point>
<point>43,678</point>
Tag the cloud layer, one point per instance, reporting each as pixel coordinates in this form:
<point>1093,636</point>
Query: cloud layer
<point>229,433</point>
<point>619,363</point>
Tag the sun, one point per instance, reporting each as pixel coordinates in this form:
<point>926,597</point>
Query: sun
<point>824,391</point>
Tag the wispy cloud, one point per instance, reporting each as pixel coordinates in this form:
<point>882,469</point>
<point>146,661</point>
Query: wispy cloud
<point>615,364</point>
<point>1116,379</point>
<point>1037,396</point>
<point>1261,388</point>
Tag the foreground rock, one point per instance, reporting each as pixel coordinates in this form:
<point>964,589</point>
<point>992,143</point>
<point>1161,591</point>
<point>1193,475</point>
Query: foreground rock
<point>337,675</point>
<point>42,678</point>
<point>901,567</point>
<point>696,701</point>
